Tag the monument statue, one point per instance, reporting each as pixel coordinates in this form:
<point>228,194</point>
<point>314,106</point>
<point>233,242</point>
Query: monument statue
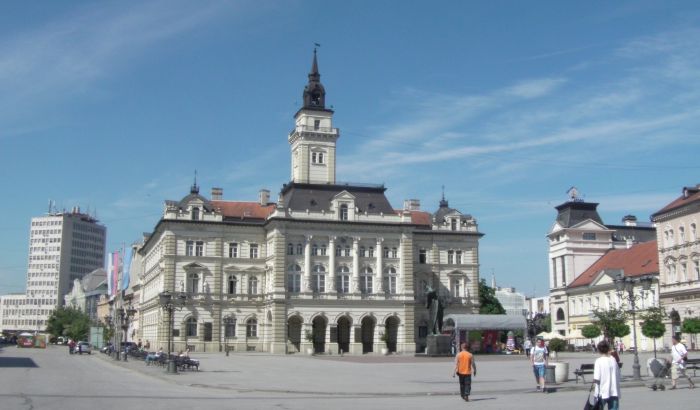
<point>435,311</point>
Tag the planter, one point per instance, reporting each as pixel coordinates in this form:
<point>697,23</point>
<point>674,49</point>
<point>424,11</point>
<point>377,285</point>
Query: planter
<point>310,351</point>
<point>561,371</point>
<point>385,351</point>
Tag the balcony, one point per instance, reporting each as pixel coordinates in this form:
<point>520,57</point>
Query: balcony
<point>299,129</point>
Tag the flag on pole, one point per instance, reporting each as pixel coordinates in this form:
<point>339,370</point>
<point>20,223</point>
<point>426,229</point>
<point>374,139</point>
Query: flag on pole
<point>115,272</point>
<point>109,274</point>
<point>126,267</point>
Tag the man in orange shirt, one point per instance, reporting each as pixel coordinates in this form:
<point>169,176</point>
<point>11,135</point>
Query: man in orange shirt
<point>465,368</point>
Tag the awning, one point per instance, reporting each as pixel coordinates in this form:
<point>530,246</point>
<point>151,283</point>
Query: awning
<point>576,334</point>
<point>550,335</point>
<point>487,322</point>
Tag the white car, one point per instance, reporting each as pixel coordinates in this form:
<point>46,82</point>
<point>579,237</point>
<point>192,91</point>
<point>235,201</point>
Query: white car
<point>82,347</point>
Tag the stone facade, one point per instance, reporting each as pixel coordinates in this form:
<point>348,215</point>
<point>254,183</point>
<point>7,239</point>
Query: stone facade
<point>329,267</point>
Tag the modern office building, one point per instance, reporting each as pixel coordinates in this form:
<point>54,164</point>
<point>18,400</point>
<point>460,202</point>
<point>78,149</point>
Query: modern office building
<point>63,246</point>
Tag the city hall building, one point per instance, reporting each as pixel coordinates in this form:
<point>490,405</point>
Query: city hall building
<point>327,267</point>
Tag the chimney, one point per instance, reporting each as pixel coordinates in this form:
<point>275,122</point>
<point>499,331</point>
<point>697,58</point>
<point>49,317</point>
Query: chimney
<point>629,220</point>
<point>217,194</point>
<point>411,205</point>
<point>264,196</point>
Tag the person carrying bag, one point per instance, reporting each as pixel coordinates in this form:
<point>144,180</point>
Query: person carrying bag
<point>596,403</point>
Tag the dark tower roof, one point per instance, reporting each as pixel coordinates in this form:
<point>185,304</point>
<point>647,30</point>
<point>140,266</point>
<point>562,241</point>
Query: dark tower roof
<point>574,212</point>
<point>314,93</point>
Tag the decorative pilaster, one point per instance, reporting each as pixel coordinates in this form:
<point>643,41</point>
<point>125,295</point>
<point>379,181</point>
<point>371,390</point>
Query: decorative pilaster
<point>307,263</point>
<point>331,264</point>
<point>379,275</point>
<point>355,265</point>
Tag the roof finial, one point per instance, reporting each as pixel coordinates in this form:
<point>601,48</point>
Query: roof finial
<point>443,201</point>
<point>195,188</point>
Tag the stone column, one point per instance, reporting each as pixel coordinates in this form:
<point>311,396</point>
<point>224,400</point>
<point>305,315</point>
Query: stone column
<point>307,263</point>
<point>355,265</point>
<point>331,264</point>
<point>379,275</point>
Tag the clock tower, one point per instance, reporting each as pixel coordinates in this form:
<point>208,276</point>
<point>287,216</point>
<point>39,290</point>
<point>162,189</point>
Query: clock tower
<point>313,139</point>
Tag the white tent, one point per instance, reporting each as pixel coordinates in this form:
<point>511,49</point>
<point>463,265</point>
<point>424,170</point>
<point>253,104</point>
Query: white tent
<point>549,335</point>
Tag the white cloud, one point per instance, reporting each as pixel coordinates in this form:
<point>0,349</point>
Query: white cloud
<point>535,88</point>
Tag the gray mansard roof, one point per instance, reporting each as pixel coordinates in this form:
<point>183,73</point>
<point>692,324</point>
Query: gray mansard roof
<point>574,212</point>
<point>318,197</point>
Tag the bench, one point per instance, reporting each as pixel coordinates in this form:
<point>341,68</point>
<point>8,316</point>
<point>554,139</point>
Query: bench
<point>692,364</point>
<point>586,368</point>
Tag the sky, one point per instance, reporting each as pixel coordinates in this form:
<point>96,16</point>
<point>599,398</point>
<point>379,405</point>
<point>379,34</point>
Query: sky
<point>112,106</point>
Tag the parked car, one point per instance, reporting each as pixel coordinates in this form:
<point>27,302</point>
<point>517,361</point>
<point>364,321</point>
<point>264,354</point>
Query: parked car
<point>82,347</point>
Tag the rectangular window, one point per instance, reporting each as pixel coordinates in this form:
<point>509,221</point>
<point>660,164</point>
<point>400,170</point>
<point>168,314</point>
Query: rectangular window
<point>458,257</point>
<point>366,284</point>
<point>343,284</point>
<point>233,250</point>
<point>231,328</point>
<point>456,288</point>
<point>293,283</point>
<point>199,248</point>
<point>450,257</point>
<point>189,248</point>
<point>589,236</point>
<point>422,256</point>
<point>207,331</point>
<point>317,124</point>
<point>319,283</point>
<point>253,251</point>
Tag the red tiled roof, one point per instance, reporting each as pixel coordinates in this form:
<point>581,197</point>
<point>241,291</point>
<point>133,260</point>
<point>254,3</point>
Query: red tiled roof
<point>231,209</point>
<point>693,194</point>
<point>640,259</point>
<point>418,217</point>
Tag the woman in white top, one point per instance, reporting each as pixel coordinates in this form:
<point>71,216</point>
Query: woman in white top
<point>606,376</point>
<point>679,353</point>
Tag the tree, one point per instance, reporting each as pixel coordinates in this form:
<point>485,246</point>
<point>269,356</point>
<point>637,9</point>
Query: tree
<point>557,345</point>
<point>487,300</point>
<point>590,331</point>
<point>653,324</point>
<point>67,321</point>
<point>612,322</point>
<point>691,326</point>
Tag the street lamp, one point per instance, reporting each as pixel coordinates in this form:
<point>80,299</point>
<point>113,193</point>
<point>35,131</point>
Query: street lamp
<point>625,288</point>
<point>108,325</point>
<point>169,304</point>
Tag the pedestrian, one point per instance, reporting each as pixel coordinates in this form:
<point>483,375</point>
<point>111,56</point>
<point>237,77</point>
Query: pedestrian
<point>622,347</point>
<point>538,357</point>
<point>527,346</point>
<point>679,355</point>
<point>71,345</point>
<point>606,376</point>
<point>465,368</point>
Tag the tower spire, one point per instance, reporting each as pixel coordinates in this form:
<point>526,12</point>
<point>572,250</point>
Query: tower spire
<point>443,201</point>
<point>314,93</point>
<point>194,189</point>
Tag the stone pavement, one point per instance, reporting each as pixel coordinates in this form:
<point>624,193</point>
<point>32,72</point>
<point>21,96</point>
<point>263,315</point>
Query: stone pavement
<point>369,375</point>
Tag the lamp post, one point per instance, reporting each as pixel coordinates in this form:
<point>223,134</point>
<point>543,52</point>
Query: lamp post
<point>108,325</point>
<point>625,288</point>
<point>169,304</point>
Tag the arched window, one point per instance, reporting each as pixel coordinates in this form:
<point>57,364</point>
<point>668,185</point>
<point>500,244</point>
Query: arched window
<point>193,283</point>
<point>294,279</point>
<point>693,232</point>
<point>232,284</point>
<point>251,328</point>
<point>343,212</point>
<point>195,214</point>
<point>343,279</point>
<point>338,250</point>
<point>191,327</point>
<point>560,314</point>
<point>253,285</point>
<point>290,249</point>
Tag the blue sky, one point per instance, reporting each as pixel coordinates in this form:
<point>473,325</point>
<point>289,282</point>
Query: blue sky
<point>113,105</point>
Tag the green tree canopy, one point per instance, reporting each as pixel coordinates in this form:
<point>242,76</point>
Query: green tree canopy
<point>66,321</point>
<point>612,322</point>
<point>557,345</point>
<point>691,325</point>
<point>489,305</point>
<point>653,328</point>
<point>590,331</point>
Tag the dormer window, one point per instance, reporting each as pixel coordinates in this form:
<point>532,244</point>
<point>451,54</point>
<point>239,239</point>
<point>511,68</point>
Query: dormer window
<point>453,224</point>
<point>343,212</point>
<point>195,214</point>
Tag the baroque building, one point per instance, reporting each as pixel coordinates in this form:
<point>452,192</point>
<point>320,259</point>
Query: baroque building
<point>577,240</point>
<point>328,266</point>
<point>679,257</point>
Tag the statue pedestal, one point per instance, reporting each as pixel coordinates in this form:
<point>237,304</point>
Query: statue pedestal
<point>438,345</point>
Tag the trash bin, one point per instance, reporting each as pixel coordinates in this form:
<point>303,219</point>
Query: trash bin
<point>549,374</point>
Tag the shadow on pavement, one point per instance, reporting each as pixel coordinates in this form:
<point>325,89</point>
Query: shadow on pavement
<point>17,362</point>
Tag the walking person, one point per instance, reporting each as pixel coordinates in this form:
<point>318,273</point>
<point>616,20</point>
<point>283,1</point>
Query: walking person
<point>538,357</point>
<point>606,376</point>
<point>465,368</point>
<point>527,346</point>
<point>679,354</point>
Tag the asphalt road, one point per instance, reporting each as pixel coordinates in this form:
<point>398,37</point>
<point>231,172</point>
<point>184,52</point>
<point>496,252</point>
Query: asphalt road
<point>40,379</point>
